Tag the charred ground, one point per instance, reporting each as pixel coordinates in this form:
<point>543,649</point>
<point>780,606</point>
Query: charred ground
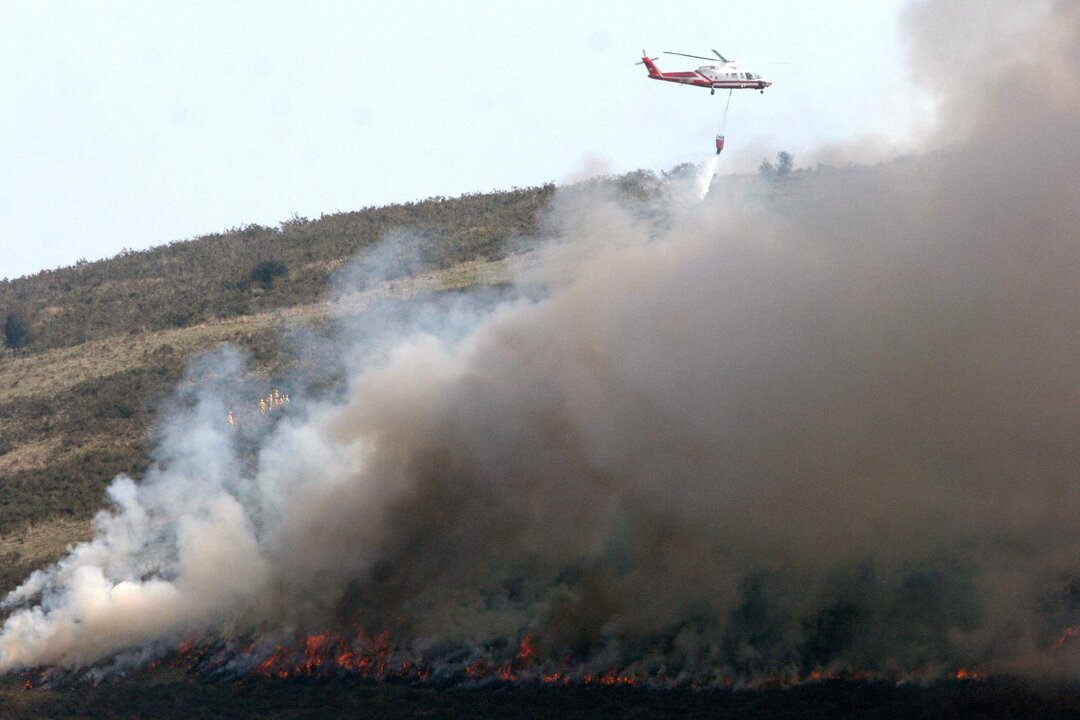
<point>163,694</point>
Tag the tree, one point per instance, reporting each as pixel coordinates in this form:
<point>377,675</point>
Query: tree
<point>785,163</point>
<point>17,333</point>
<point>265,272</point>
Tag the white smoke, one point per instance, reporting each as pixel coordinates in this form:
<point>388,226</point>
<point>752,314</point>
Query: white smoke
<point>172,552</point>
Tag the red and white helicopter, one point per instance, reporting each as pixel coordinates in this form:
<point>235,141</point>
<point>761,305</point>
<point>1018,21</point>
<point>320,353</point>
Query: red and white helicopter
<point>728,75</point>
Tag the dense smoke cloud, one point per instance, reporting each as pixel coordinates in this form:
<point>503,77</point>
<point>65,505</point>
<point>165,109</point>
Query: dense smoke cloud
<point>828,426</point>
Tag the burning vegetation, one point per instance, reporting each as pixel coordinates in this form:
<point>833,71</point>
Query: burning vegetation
<point>375,659</point>
<point>777,437</point>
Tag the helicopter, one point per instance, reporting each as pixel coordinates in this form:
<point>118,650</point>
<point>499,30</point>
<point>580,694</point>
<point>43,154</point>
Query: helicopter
<point>726,75</point>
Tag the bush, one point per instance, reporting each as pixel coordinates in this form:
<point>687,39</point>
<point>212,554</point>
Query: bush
<point>785,165</point>
<point>265,272</point>
<point>17,332</point>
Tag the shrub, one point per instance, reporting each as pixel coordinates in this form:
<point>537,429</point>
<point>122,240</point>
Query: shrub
<point>265,272</point>
<point>17,332</point>
<point>785,165</point>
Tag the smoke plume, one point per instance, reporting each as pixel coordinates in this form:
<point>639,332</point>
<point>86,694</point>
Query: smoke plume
<point>830,423</point>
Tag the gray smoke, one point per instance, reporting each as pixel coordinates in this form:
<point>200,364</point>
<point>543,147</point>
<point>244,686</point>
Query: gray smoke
<point>823,426</point>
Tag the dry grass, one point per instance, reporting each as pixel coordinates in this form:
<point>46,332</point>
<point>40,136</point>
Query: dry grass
<point>27,457</point>
<point>50,373</point>
<point>37,546</point>
<point>42,446</point>
<point>43,542</point>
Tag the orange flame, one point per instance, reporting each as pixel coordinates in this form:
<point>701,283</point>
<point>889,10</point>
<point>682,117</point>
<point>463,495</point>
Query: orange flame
<point>373,657</point>
<point>1066,635</point>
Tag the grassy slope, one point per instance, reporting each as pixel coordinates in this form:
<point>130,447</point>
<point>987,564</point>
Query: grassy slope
<point>112,337</point>
<point>71,418</point>
<point>209,278</point>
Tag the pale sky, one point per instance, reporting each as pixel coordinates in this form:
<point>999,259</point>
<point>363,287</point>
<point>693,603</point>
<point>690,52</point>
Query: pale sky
<point>132,124</point>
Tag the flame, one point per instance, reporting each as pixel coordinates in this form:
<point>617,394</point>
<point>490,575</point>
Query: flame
<point>966,674</point>
<point>373,657</point>
<point>1066,635</point>
<point>610,678</point>
<point>476,670</point>
<point>526,650</point>
<point>328,652</point>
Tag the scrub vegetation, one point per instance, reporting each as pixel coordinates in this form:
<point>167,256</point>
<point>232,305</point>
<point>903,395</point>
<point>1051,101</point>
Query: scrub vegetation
<point>93,351</point>
<point>250,269</point>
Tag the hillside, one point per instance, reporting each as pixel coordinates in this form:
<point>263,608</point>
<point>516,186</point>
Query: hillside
<point>110,339</point>
<point>209,278</point>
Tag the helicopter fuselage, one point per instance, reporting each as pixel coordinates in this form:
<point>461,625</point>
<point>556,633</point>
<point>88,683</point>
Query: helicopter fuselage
<point>726,76</point>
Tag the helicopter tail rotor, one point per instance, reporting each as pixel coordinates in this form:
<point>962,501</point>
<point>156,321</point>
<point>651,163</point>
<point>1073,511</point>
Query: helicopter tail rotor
<point>645,57</point>
<point>654,72</point>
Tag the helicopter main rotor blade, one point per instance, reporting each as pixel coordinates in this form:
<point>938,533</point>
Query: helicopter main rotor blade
<point>699,57</point>
<point>722,58</point>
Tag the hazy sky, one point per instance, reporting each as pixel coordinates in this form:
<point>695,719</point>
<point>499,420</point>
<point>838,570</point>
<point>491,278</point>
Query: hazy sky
<point>131,124</point>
